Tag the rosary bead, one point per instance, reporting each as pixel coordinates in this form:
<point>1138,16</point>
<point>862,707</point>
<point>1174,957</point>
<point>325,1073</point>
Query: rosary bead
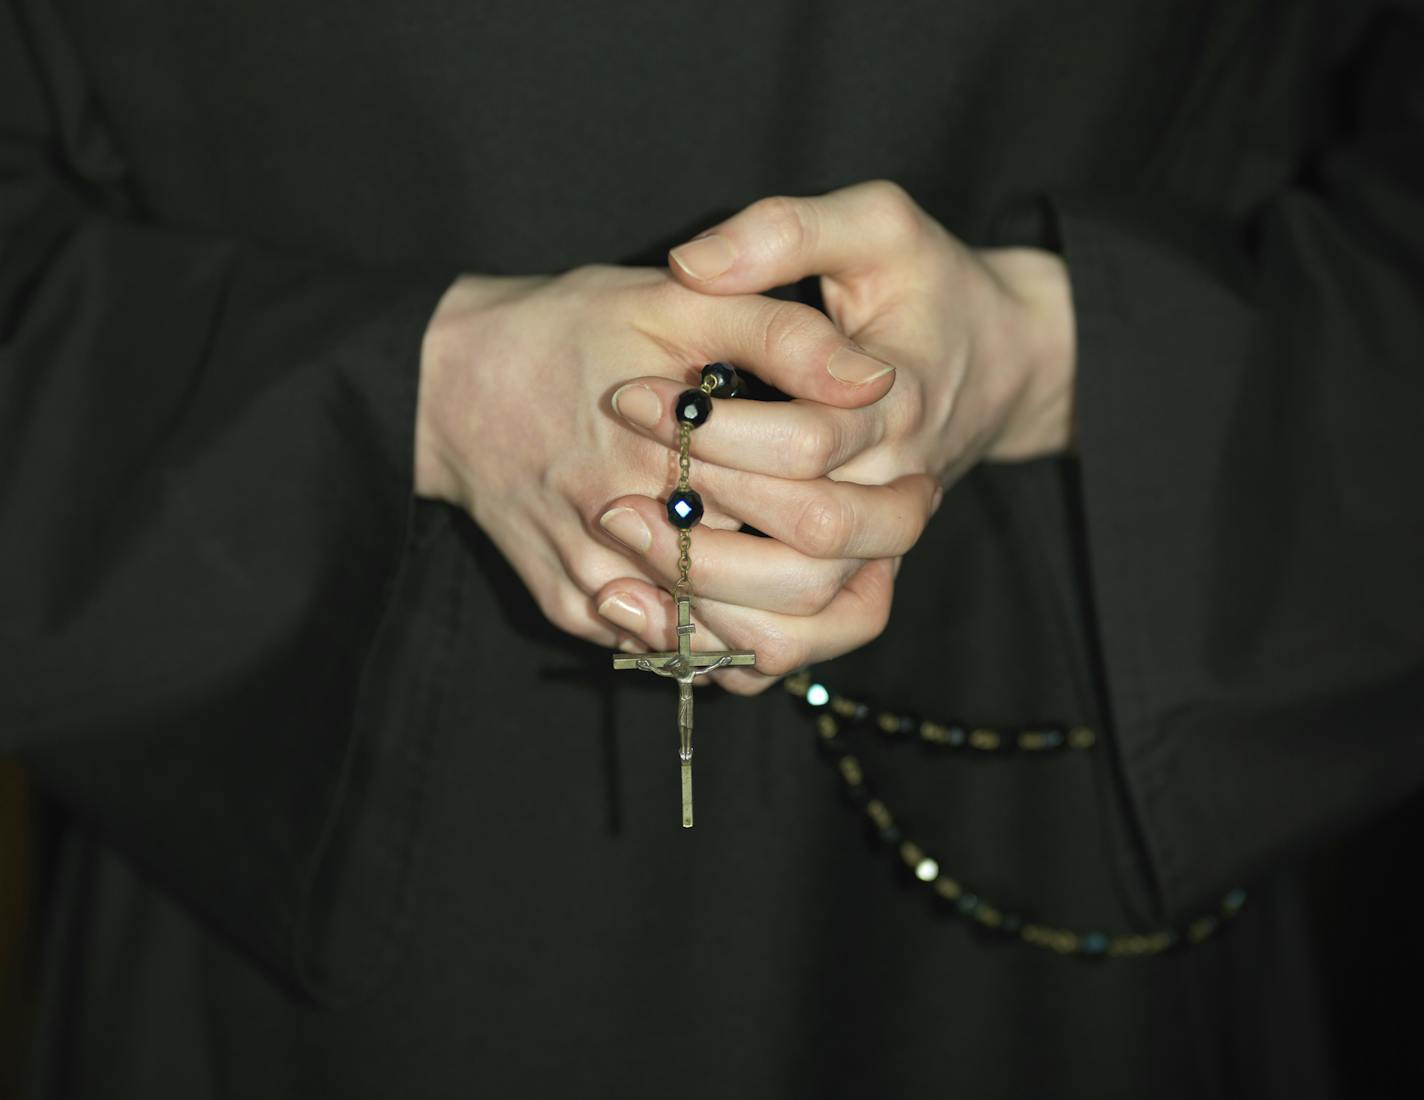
<point>692,407</point>
<point>1041,740</point>
<point>835,715</point>
<point>726,381</point>
<point>684,509</point>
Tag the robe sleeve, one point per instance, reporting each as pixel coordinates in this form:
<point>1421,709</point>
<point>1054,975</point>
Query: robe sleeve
<point>210,653</point>
<point>1251,436</point>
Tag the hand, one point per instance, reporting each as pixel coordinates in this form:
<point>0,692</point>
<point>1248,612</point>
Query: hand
<point>984,346</point>
<point>983,339</point>
<point>516,425</point>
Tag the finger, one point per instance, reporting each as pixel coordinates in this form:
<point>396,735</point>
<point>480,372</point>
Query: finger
<point>825,518</point>
<point>784,643</point>
<point>789,345</point>
<point>646,616</point>
<point>568,607</point>
<point>566,579</point>
<point>796,439</point>
<point>779,240</point>
<point>727,566</point>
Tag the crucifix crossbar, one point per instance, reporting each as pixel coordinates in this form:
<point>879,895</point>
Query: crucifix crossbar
<point>684,666</point>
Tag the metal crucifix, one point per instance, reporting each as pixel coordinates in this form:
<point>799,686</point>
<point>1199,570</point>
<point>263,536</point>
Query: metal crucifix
<point>684,666</point>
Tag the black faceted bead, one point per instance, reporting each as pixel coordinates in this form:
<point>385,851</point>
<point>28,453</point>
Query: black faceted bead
<point>692,407</point>
<point>728,383</point>
<point>684,509</point>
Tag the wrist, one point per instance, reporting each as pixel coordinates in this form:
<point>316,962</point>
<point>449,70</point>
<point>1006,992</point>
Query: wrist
<point>1037,338</point>
<point>445,406</point>
<point>435,467</point>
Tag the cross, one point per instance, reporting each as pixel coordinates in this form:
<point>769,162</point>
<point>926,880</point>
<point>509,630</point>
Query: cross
<point>684,666</point>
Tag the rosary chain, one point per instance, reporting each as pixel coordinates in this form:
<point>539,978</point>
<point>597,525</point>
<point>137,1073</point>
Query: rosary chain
<point>684,469</point>
<point>831,709</point>
<point>684,537</point>
<point>942,734</point>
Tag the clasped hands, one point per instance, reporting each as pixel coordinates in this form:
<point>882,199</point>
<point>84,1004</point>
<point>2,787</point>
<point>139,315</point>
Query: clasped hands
<point>545,412</point>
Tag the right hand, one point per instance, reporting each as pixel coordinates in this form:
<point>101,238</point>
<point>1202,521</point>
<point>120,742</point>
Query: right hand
<point>517,426</point>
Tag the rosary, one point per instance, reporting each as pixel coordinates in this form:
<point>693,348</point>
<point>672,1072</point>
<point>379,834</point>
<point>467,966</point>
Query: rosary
<point>832,711</point>
<point>684,510</point>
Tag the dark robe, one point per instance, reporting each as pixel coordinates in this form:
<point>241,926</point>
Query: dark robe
<point>333,813</point>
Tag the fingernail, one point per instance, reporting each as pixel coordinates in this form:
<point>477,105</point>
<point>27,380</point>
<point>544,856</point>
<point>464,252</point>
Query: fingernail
<point>706,257</point>
<point>937,501</point>
<point>628,645</point>
<point>855,367</point>
<point>627,527</point>
<point>638,405</point>
<point>620,610</point>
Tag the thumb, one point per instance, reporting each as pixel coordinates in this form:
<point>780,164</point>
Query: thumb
<point>780,240</point>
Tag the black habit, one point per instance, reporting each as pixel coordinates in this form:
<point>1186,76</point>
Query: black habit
<point>333,813</point>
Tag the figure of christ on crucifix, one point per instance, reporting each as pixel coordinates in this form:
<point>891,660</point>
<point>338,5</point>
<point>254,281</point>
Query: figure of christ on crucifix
<point>684,666</point>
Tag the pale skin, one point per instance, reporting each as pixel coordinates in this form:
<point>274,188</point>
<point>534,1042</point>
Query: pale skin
<point>934,357</point>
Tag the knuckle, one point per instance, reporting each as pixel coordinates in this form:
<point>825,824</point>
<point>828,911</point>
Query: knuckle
<point>556,612</point>
<point>788,325</point>
<point>823,526</point>
<point>587,274</point>
<point>887,191</point>
<point>785,221</point>
<point>586,580</point>
<point>813,597</point>
<point>896,213</point>
<point>753,684</point>
<point>566,608</point>
<point>814,450</point>
<point>778,653</point>
<point>571,615</point>
<point>907,417</point>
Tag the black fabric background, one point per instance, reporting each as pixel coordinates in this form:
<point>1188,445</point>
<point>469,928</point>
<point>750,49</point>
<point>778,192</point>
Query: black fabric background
<point>305,739</point>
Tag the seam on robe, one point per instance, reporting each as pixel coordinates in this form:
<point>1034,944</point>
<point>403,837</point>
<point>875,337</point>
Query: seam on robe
<point>335,981</point>
<point>1102,353</point>
<point>1033,221</point>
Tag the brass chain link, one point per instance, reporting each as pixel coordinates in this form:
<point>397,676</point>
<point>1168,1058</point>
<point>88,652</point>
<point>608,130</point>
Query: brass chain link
<point>684,537</point>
